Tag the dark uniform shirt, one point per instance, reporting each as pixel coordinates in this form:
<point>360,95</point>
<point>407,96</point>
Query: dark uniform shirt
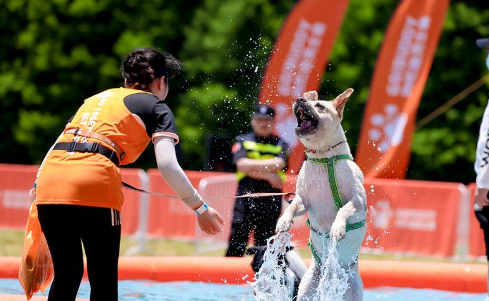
<point>253,147</point>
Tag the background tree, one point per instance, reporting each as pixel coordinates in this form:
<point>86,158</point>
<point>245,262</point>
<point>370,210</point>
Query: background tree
<point>444,149</point>
<point>55,53</point>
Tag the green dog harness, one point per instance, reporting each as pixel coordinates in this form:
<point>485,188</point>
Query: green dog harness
<point>330,166</point>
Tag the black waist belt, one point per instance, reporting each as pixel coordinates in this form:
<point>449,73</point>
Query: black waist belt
<point>88,148</point>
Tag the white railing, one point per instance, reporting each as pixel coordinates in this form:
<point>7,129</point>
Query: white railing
<point>141,234</point>
<point>218,192</point>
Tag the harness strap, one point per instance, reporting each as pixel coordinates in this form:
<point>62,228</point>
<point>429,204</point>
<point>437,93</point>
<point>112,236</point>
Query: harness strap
<point>330,165</point>
<point>333,184</point>
<point>314,252</point>
<point>349,227</point>
<point>318,259</point>
<point>89,134</point>
<point>88,148</point>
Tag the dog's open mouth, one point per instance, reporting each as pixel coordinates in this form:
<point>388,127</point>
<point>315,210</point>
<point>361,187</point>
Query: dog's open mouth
<point>307,121</point>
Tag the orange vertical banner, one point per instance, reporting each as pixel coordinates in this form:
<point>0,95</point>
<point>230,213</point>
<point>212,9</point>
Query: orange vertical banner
<point>399,78</point>
<point>297,63</point>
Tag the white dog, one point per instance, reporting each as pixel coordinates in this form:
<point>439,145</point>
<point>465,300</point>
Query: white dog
<point>330,188</point>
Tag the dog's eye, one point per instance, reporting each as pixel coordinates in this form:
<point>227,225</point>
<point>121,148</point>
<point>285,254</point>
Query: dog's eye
<point>320,106</point>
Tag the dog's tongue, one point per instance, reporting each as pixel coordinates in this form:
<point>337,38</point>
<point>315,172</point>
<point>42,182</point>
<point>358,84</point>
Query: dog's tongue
<point>306,124</point>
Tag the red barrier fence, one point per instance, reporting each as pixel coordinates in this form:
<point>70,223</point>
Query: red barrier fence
<point>15,201</point>
<point>169,217</point>
<point>416,217</point>
<point>419,217</point>
<point>405,216</point>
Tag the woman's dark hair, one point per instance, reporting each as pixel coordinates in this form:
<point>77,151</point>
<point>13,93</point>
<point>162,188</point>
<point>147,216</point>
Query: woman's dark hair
<point>143,65</point>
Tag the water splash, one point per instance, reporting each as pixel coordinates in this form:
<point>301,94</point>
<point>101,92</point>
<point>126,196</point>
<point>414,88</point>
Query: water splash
<point>334,279</point>
<point>269,284</point>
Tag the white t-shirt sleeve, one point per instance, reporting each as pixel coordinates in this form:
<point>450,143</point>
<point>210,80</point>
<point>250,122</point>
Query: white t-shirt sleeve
<point>481,165</point>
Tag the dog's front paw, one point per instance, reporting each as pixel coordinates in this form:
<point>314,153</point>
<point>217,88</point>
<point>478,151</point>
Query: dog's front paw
<point>284,223</point>
<point>338,230</point>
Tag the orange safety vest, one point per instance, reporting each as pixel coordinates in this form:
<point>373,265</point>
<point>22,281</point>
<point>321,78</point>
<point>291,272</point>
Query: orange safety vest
<point>91,179</point>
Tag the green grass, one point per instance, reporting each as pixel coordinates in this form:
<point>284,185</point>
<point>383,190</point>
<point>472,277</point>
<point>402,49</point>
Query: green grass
<point>11,244</point>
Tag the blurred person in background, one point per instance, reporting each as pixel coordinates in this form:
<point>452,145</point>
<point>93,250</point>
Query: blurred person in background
<point>260,159</point>
<point>79,187</point>
<point>482,166</point>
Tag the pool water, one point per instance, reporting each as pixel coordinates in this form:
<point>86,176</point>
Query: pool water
<point>197,291</point>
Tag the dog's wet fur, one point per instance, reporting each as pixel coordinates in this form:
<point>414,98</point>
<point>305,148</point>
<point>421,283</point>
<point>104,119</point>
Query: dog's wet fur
<point>320,131</point>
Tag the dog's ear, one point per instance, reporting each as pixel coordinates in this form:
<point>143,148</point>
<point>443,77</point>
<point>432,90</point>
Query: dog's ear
<point>311,95</point>
<point>340,101</point>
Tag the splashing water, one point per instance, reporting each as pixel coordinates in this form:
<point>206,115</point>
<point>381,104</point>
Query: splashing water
<point>334,279</point>
<point>269,284</point>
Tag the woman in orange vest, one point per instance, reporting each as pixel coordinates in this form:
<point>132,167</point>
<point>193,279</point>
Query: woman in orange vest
<point>78,190</point>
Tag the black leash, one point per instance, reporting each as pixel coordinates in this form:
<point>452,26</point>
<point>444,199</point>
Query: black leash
<point>249,195</point>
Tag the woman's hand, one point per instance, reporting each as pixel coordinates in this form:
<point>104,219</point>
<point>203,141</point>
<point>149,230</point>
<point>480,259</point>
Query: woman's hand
<point>481,197</point>
<point>208,221</point>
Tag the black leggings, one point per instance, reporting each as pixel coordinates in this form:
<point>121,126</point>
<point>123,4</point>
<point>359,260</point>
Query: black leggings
<point>65,228</point>
<point>483,218</point>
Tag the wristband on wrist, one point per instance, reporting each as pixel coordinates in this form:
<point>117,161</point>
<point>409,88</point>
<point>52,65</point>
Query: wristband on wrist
<point>203,208</point>
<point>32,192</point>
